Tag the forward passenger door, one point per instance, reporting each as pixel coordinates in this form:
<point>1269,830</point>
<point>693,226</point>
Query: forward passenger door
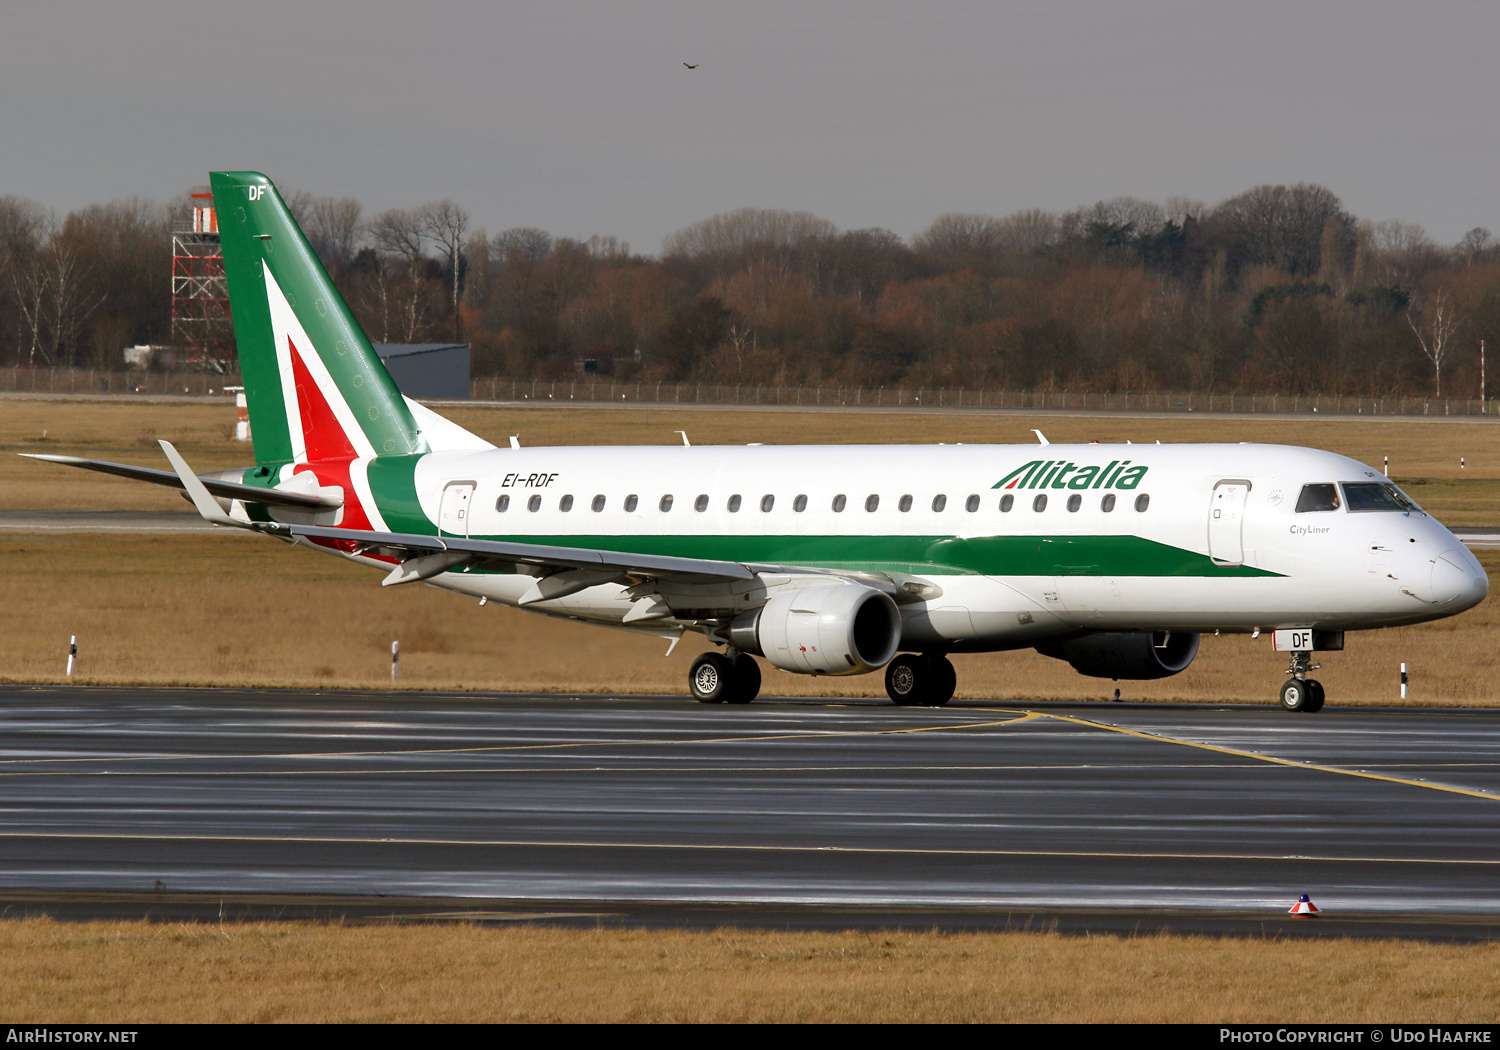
<point>1226,522</point>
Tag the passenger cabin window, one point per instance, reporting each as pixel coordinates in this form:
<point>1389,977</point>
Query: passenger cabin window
<point>839,503</point>
<point>1142,502</point>
<point>904,504</point>
<point>566,503</point>
<point>1039,504</point>
<point>939,502</point>
<point>502,504</point>
<point>1007,501</point>
<point>799,504</point>
<point>631,502</point>
<point>534,504</point>
<point>734,503</point>
<point>971,504</point>
<point>1074,502</point>
<point>598,504</point>
<point>766,503</point>
<point>1107,504</point>
<point>1365,495</point>
<point>701,503</point>
<point>1318,498</point>
<point>872,503</point>
<point>665,504</point>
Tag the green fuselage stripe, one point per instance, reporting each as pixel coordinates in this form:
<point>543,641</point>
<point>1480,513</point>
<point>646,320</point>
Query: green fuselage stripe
<point>982,555</point>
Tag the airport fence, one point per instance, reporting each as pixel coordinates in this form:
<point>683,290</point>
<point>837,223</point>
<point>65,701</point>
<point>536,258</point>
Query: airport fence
<point>494,388</point>
<point>102,381</point>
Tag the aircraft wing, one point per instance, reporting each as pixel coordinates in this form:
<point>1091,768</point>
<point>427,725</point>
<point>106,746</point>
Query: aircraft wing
<point>425,556</point>
<point>222,489</point>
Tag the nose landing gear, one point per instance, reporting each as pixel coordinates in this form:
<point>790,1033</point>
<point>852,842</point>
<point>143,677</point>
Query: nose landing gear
<point>1300,693</point>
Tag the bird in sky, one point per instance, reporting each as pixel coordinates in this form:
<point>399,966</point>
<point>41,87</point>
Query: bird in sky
<point>691,65</point>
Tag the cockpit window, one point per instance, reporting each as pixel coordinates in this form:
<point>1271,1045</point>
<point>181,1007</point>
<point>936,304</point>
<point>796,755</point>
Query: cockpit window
<point>1318,497</point>
<point>1374,495</point>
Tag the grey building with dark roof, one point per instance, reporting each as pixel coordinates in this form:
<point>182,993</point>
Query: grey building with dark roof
<point>428,370</point>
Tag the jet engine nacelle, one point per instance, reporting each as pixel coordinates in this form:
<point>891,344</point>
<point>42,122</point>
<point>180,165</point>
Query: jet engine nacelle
<point>835,629</point>
<point>1127,654</point>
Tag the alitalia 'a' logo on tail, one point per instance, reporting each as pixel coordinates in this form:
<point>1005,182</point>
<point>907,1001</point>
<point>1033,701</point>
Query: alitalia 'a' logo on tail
<point>1065,474</point>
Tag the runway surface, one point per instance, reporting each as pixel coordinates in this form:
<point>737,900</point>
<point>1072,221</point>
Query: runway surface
<point>1230,810</point>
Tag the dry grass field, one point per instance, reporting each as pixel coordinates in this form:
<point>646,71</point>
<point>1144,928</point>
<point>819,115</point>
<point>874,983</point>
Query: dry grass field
<point>232,609</point>
<point>141,973</point>
<point>1424,453</point>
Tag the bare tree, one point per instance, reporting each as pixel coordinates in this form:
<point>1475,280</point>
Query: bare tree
<point>957,234</point>
<point>70,302</point>
<point>300,204</point>
<point>335,229</point>
<point>1399,253</point>
<point>30,282</point>
<point>1028,231</point>
<point>736,239</point>
<point>1129,216</point>
<point>1475,244</point>
<point>446,223</point>
<point>1284,226</point>
<point>1435,342</point>
<point>1180,209</point>
<point>401,233</point>
<point>961,238</point>
<point>398,232</point>
<point>526,242</point>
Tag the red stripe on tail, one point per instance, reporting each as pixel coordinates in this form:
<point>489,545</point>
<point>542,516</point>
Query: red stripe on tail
<point>322,435</point>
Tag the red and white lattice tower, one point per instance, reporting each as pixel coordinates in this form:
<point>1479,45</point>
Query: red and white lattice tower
<point>201,324</point>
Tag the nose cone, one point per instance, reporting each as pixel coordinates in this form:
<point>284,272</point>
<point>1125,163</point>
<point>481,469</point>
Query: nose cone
<point>1458,579</point>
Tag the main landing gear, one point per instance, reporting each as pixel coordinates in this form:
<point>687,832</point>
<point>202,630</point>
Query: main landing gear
<point>1299,692</point>
<point>927,680</point>
<point>716,678</point>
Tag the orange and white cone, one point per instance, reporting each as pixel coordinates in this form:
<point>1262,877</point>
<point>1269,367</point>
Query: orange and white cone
<point>1303,907</point>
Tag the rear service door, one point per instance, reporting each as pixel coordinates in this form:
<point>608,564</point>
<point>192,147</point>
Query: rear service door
<point>1226,519</point>
<point>453,518</point>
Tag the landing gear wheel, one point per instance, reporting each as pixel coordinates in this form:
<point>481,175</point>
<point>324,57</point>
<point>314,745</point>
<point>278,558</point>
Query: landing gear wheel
<point>944,680</point>
<point>1314,696</point>
<point>711,679</point>
<point>1295,695</point>
<point>920,681</point>
<point>745,681</point>
<point>905,680</point>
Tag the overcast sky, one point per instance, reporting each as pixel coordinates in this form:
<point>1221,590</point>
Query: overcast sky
<point>580,118</point>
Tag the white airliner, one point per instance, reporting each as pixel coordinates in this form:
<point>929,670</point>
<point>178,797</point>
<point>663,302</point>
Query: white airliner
<point>823,560</point>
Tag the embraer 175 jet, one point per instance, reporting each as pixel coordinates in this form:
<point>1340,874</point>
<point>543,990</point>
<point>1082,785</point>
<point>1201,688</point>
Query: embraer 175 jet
<point>823,560</point>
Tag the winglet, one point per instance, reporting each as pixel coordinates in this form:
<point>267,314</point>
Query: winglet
<point>211,509</point>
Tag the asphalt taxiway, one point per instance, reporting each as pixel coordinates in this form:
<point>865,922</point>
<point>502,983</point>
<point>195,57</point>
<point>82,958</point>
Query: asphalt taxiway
<point>1387,817</point>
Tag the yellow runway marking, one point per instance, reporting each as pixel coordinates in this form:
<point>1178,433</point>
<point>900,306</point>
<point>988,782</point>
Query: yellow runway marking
<point>1272,760</point>
<point>1023,716</point>
<point>735,848</point>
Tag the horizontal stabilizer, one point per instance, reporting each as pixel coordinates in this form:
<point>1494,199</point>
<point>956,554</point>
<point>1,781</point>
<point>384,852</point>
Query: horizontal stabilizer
<point>217,487</point>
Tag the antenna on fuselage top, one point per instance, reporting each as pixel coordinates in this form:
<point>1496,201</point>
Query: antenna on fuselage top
<point>686,443</point>
<point>515,441</point>
<point>1041,437</point>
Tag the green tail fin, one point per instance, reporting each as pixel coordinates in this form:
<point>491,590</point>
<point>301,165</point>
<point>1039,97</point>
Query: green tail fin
<point>315,388</point>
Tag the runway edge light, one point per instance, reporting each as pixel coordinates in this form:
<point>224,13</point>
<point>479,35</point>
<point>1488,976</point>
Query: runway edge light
<point>1304,906</point>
